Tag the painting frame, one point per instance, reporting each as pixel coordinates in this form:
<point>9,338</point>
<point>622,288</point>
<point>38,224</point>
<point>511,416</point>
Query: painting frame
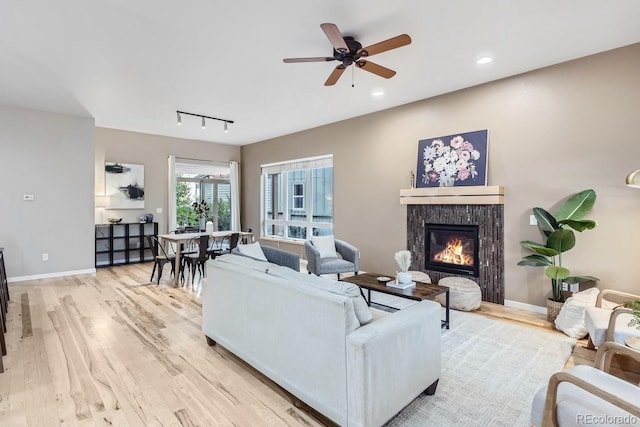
<point>456,160</point>
<point>124,185</point>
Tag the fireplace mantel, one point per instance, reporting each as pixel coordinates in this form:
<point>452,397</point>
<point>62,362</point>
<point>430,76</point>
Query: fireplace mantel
<point>476,195</point>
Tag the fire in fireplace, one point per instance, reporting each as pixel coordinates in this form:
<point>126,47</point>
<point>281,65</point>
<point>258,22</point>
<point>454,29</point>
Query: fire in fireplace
<point>451,248</point>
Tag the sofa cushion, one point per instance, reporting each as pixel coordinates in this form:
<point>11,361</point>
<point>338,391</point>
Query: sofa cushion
<point>252,250</point>
<point>326,245</point>
<point>349,290</point>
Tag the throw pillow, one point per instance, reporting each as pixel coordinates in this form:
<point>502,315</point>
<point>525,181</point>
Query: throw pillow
<point>571,317</point>
<point>252,250</point>
<point>326,245</point>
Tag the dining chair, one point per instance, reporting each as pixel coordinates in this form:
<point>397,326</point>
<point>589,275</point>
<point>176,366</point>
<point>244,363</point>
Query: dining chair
<point>233,239</point>
<point>160,258</point>
<point>197,259</point>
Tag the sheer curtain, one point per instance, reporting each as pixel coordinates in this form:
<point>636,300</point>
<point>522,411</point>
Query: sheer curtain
<point>171,195</point>
<point>235,195</point>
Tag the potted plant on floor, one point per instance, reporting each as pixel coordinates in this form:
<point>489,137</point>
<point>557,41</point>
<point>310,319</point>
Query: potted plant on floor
<point>559,236</point>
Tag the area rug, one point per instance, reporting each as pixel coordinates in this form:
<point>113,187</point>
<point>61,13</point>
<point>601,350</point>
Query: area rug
<point>491,370</point>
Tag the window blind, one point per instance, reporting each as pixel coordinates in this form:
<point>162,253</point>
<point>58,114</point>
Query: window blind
<point>306,163</point>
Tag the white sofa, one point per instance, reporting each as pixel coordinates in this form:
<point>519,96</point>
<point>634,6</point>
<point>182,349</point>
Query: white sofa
<point>304,335</point>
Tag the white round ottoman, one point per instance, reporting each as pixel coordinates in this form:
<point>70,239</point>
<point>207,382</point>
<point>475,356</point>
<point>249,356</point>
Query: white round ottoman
<point>464,294</point>
<point>419,276</point>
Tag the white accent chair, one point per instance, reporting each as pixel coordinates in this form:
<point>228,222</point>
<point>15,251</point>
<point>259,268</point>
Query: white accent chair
<point>588,395</point>
<point>610,324</point>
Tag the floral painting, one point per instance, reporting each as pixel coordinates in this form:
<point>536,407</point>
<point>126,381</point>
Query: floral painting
<point>453,160</point>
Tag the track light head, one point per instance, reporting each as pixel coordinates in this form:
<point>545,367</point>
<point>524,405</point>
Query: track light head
<point>226,128</point>
<point>204,126</point>
<point>179,120</point>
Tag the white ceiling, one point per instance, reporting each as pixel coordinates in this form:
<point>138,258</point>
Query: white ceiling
<point>132,64</point>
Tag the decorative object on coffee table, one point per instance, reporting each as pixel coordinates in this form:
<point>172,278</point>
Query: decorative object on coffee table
<point>559,233</point>
<point>403,258</point>
<point>464,294</point>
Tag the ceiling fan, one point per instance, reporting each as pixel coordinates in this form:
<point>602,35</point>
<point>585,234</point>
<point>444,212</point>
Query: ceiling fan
<point>349,51</point>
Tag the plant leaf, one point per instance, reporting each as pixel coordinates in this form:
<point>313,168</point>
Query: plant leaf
<point>546,222</point>
<point>561,240</point>
<point>557,273</point>
<point>580,279</point>
<point>535,261</point>
<point>577,206</point>
<point>579,225</point>
<point>539,248</point>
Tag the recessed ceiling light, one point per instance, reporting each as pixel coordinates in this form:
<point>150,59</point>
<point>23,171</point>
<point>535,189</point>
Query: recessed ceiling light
<point>378,93</point>
<point>484,60</point>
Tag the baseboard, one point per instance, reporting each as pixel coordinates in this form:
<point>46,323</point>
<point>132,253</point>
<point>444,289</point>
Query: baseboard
<point>50,275</point>
<point>527,307</point>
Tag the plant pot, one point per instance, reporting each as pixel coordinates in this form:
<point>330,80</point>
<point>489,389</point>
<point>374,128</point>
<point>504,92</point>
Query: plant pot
<point>553,309</point>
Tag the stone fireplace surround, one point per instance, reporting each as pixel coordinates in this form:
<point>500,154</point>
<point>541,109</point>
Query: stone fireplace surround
<point>423,209</point>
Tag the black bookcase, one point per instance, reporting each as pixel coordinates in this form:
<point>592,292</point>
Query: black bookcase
<point>124,243</point>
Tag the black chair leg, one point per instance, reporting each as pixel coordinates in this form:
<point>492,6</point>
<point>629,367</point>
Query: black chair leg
<point>155,264</point>
<point>160,267</point>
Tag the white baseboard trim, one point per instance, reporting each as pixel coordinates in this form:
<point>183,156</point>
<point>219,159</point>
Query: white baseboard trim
<point>527,307</point>
<point>50,275</point>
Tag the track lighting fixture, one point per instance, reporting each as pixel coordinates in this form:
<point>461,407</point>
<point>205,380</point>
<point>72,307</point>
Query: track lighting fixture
<point>204,126</point>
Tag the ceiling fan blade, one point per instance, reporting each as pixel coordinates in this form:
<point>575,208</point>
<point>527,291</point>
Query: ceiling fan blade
<point>392,43</point>
<point>335,75</point>
<point>335,37</point>
<point>376,69</point>
<point>316,59</point>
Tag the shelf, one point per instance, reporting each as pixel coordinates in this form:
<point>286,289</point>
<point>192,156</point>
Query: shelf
<point>472,195</point>
<point>123,243</point>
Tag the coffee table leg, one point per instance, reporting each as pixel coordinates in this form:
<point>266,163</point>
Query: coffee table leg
<point>447,309</point>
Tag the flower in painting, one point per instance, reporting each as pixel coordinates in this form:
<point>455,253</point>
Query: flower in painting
<point>432,176</point>
<point>446,163</point>
<point>457,141</point>
<point>439,164</point>
<point>463,174</point>
<point>429,153</point>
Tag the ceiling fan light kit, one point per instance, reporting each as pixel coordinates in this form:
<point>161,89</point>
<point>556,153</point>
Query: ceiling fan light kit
<point>349,51</point>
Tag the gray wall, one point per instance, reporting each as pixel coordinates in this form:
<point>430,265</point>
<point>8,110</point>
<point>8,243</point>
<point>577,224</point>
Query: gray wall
<point>151,151</point>
<point>50,156</point>
<point>552,132</point>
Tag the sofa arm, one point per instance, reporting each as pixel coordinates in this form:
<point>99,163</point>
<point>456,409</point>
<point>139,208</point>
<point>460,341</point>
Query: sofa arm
<point>283,258</point>
<point>391,361</point>
<point>348,252</point>
<point>313,257</point>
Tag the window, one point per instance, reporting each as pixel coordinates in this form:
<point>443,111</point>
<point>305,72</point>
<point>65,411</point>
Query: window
<point>297,198</point>
<point>208,186</point>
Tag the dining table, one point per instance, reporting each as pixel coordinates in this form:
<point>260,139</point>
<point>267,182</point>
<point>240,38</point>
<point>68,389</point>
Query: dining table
<point>180,238</point>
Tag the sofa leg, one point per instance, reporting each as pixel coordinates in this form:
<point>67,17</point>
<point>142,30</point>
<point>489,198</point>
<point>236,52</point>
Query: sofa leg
<point>210,341</point>
<point>431,390</point>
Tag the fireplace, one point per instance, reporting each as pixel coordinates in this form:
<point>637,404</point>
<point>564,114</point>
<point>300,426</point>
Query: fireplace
<point>451,248</point>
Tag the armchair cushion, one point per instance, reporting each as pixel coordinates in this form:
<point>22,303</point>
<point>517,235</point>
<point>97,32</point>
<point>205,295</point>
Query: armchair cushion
<point>326,245</point>
<point>597,322</point>
<point>577,406</point>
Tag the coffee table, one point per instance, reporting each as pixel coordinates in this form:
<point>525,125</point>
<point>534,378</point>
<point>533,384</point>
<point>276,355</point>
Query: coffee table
<point>421,291</point>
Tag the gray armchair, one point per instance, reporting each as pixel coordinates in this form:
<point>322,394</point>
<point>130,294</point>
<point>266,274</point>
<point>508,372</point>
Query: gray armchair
<point>349,263</point>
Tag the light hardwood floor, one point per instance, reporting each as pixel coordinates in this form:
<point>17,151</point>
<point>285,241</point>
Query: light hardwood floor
<point>113,349</point>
